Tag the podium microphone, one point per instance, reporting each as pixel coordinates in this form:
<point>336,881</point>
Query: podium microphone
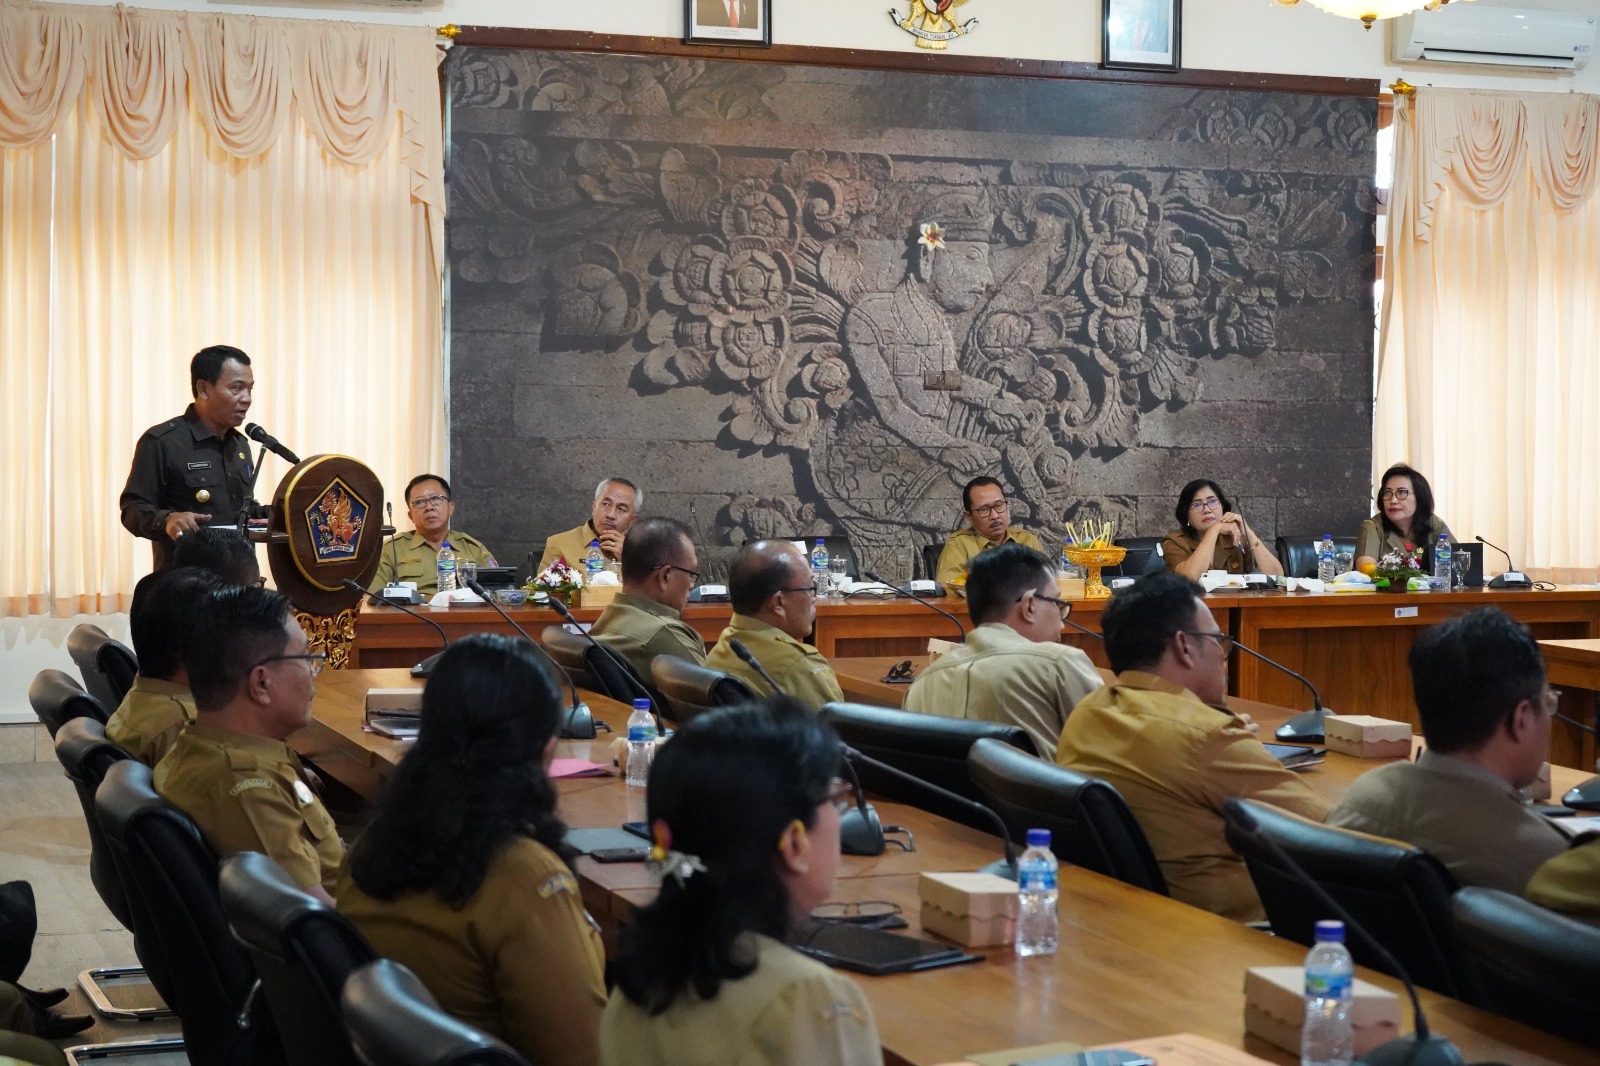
<point>1512,578</point>
<point>425,667</point>
<point>1421,1048</point>
<point>627,671</point>
<point>271,444</point>
<point>1305,727</point>
<point>579,724</point>
<point>872,575</point>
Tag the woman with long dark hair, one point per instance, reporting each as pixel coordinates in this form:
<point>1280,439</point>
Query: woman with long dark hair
<point>1405,523</point>
<point>743,803</point>
<point>1211,535</point>
<point>459,876</point>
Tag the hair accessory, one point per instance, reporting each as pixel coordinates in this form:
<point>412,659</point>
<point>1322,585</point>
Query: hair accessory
<point>664,862</point>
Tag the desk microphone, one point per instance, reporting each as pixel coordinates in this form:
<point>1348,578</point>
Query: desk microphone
<point>425,667</point>
<point>1101,637</point>
<point>1305,727</point>
<point>627,671</point>
<point>394,590</point>
<point>272,444</point>
<point>1421,1048</point>
<point>899,595</point>
<point>579,724</point>
<point>1512,578</point>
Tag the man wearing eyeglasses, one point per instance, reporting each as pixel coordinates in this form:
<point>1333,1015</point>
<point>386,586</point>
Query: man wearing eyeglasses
<point>1479,683</point>
<point>659,569</point>
<point>983,501</point>
<point>414,556</point>
<point>252,676</point>
<point>1161,734</point>
<point>774,610</point>
<point>1013,668</point>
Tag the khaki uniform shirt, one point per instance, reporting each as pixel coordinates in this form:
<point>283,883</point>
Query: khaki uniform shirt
<point>639,629</point>
<point>409,557</point>
<point>1175,759</point>
<point>789,1011</point>
<point>522,960</point>
<point>181,465</point>
<point>965,544</point>
<point>1178,545</point>
<point>1468,818</point>
<point>247,793</point>
<point>1570,883</point>
<point>1375,540</point>
<point>149,718</point>
<point>999,675</point>
<point>797,667</point>
<point>572,546</point>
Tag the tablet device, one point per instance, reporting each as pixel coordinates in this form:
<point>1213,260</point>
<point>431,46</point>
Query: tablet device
<point>874,951</point>
<point>1294,757</point>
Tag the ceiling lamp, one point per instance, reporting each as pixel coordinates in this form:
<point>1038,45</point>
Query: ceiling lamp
<point>1369,11</point>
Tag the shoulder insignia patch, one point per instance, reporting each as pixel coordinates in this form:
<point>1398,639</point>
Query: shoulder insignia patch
<point>561,882</point>
<point>249,783</point>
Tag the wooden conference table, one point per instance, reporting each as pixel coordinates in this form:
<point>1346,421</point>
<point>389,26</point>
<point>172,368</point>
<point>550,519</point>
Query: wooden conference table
<point>1352,646</point>
<point>1131,964</point>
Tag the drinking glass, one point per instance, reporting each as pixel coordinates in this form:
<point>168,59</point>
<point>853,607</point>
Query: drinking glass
<point>1461,562</point>
<point>469,573</point>
<point>838,574</point>
<point>1343,561</point>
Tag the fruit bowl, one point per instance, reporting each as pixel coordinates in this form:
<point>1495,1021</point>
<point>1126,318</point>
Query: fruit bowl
<point>1092,559</point>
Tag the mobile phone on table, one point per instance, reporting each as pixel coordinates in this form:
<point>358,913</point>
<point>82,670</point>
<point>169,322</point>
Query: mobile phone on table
<point>620,854</point>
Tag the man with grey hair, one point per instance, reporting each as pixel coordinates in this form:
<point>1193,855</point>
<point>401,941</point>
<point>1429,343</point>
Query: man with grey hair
<point>617,502</point>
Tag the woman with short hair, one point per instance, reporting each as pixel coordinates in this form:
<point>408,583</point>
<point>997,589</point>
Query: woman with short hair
<point>1211,535</point>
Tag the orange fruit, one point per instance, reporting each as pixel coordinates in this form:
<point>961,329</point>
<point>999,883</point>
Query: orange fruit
<point>1368,568</point>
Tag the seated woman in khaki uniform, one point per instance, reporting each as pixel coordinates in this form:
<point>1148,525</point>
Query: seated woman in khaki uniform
<point>458,876</point>
<point>743,804</point>
<point>1405,523</point>
<point>1211,535</point>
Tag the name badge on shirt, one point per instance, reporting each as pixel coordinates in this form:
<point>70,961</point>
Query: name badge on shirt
<point>302,792</point>
<point>200,466</point>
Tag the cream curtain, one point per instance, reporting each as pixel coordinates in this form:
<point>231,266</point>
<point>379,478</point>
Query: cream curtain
<point>173,180</point>
<point>1489,353</point>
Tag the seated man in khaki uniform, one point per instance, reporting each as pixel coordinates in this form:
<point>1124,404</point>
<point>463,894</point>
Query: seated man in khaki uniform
<point>1570,883</point>
<point>1162,736</point>
<point>645,619</point>
<point>230,770</point>
<point>414,556</point>
<point>774,609</point>
<point>1479,683</point>
<point>1013,668</point>
<point>617,502</point>
<point>158,706</point>
<point>983,501</point>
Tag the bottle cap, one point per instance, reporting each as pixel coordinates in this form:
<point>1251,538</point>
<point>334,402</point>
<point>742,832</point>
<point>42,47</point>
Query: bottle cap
<point>641,705</point>
<point>594,544</point>
<point>1038,838</point>
<point>1330,930</point>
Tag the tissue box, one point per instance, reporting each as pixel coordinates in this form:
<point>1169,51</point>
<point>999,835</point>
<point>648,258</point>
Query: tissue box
<point>391,700</point>
<point>975,910</point>
<point>599,595</point>
<point>1367,737</point>
<point>1275,1009</point>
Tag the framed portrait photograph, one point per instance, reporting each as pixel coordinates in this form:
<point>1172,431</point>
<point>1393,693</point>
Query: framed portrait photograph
<point>727,22</point>
<point>1141,34</point>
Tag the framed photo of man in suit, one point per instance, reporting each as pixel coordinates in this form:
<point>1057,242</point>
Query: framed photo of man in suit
<point>1141,34</point>
<point>727,22</point>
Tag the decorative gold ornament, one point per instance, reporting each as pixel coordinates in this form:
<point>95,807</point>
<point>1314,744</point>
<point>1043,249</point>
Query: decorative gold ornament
<point>449,32</point>
<point>931,22</point>
<point>1403,88</point>
<point>1370,11</point>
<point>333,635</point>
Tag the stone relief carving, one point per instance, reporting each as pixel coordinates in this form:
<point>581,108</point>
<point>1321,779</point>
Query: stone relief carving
<point>1069,299</point>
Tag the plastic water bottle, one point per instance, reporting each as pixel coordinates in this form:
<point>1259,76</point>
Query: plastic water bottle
<point>641,743</point>
<point>819,568</point>
<point>1443,556</point>
<point>594,560</point>
<point>446,567</point>
<point>1327,1039</point>
<point>1327,569</point>
<point>1038,925</point>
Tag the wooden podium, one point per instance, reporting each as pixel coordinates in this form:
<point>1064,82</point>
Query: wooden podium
<point>326,526</point>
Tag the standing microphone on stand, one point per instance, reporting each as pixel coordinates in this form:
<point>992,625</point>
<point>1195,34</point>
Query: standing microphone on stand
<point>1512,578</point>
<point>270,443</point>
<point>409,595</point>
<point>961,629</point>
<point>1421,1048</point>
<point>425,667</point>
<point>580,722</point>
<point>627,671</point>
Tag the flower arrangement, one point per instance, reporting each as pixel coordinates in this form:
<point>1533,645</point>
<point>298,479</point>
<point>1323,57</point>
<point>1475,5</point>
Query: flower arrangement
<point>1396,569</point>
<point>557,579</point>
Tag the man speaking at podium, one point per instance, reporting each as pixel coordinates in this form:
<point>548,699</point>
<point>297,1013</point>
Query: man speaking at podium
<point>194,468</point>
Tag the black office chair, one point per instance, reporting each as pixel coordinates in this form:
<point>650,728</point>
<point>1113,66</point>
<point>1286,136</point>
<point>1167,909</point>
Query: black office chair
<point>689,689</point>
<point>85,754</point>
<point>1144,557</point>
<point>930,560</point>
<point>927,746</point>
<point>57,698</point>
<point>1537,966</point>
<point>392,1020</point>
<point>1399,893</point>
<point>1298,554</point>
<point>603,674</point>
<point>171,878</point>
<point>303,950</point>
<point>107,665</point>
<point>1090,824</point>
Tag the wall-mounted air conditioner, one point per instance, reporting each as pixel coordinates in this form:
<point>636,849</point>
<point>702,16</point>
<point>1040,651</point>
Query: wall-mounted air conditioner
<point>1495,36</point>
